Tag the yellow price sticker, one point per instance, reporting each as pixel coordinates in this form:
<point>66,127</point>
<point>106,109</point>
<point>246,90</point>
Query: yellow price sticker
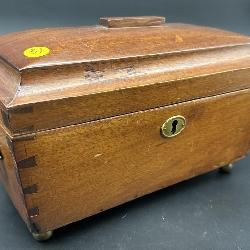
<point>35,52</point>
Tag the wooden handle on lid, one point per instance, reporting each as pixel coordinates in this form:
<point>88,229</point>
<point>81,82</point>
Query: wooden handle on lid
<point>119,22</point>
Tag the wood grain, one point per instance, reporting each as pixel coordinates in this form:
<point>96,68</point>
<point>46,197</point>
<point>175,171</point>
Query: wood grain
<point>94,73</point>
<point>84,169</point>
<point>88,44</point>
<point>45,115</point>
<point>80,127</point>
<point>123,87</point>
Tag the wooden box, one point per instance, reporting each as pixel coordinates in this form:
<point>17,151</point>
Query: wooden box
<point>93,117</point>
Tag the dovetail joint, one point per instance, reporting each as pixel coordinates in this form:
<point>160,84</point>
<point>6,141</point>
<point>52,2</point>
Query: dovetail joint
<point>27,163</point>
<point>33,212</point>
<point>30,189</point>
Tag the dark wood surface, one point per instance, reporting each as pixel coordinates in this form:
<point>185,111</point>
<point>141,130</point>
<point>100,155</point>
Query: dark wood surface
<point>91,112</point>
<point>97,43</point>
<point>208,211</point>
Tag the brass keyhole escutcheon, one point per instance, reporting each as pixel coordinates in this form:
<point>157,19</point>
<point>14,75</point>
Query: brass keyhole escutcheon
<point>173,126</point>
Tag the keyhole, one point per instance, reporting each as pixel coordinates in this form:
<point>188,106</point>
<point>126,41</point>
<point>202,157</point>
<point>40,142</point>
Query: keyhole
<point>174,126</point>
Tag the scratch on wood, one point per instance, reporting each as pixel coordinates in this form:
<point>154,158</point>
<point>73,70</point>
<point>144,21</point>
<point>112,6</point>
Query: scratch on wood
<point>97,155</point>
<point>93,75</point>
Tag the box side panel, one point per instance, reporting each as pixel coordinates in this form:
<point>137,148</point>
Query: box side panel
<point>82,170</point>
<point>9,176</point>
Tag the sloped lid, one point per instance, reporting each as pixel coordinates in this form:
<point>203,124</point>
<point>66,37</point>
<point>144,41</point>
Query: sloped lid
<point>59,67</point>
<point>98,43</point>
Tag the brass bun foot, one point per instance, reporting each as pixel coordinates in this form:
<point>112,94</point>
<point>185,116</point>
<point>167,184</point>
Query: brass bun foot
<point>42,236</point>
<point>227,168</point>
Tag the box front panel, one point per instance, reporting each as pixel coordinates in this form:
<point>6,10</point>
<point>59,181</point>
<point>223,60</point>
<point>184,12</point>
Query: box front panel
<point>77,171</point>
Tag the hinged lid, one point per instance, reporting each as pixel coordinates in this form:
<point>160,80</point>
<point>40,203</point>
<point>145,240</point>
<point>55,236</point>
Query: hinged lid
<point>62,76</point>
